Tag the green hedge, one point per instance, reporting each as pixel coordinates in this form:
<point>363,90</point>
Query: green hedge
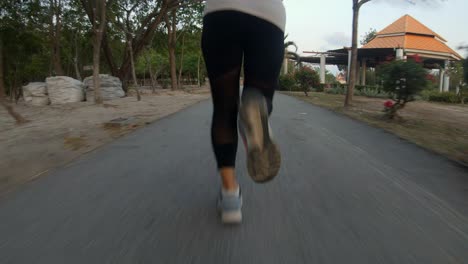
<point>444,97</point>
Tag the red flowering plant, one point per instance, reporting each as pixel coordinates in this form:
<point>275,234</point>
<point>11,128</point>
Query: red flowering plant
<point>402,79</point>
<point>388,105</point>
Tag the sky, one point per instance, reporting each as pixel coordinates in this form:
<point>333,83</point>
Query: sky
<point>320,25</point>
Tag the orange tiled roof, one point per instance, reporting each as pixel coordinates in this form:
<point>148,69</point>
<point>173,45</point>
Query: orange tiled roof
<point>408,33</point>
<point>407,24</point>
<point>425,43</point>
<point>410,41</point>
<point>386,42</point>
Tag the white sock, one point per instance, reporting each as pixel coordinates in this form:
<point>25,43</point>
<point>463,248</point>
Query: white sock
<point>230,192</point>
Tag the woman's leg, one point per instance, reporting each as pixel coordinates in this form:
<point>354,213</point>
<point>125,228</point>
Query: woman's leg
<point>263,55</point>
<point>223,57</point>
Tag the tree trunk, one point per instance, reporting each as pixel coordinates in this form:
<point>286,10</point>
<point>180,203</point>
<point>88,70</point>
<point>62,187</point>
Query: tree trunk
<point>109,57</point>
<point>171,30</point>
<point>143,36</point>
<point>354,51</point>
<point>151,74</point>
<point>18,118</point>
<point>132,62</point>
<point>55,30</point>
<point>198,70</point>
<point>75,61</point>
<point>2,78</point>
<point>99,26</point>
<point>181,67</point>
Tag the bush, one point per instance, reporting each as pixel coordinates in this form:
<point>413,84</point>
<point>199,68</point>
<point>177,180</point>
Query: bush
<point>320,87</point>
<point>372,93</point>
<point>287,82</point>
<point>336,90</point>
<point>414,76</point>
<point>307,78</point>
<point>403,80</point>
<point>358,87</point>
<point>436,96</point>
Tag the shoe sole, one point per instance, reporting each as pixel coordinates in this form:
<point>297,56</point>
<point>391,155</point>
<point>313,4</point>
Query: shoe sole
<point>263,155</point>
<point>231,217</point>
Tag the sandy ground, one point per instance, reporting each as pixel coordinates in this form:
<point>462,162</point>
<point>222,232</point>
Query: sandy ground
<point>57,134</point>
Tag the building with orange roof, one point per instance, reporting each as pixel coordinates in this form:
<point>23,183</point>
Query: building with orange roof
<point>406,37</point>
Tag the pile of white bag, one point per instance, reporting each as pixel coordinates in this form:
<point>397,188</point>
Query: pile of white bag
<point>35,93</point>
<point>63,89</point>
<point>111,87</point>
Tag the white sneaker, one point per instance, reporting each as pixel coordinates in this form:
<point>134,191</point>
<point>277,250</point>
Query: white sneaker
<point>263,155</point>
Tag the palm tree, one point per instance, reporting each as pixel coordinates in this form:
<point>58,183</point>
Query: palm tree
<point>289,55</point>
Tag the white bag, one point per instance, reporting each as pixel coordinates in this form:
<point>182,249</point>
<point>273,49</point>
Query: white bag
<point>63,89</point>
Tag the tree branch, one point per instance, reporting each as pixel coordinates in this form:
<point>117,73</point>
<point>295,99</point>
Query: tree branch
<point>362,2</point>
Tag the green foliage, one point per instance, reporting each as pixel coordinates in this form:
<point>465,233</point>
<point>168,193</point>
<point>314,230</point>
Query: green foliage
<point>330,78</point>
<point>455,71</point>
<point>444,97</point>
<point>336,90</point>
<point>403,79</point>
<point>368,36</point>
<point>465,70</point>
<point>371,78</point>
<point>371,92</point>
<point>321,87</point>
<point>307,78</point>
<point>25,33</point>
<point>287,82</point>
<point>368,91</point>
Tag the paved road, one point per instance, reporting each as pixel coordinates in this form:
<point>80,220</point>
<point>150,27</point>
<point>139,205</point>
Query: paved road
<point>347,193</point>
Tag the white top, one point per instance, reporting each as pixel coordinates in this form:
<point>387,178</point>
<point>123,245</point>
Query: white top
<point>270,10</point>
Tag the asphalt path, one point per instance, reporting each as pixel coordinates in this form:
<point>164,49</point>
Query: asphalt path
<point>346,193</point>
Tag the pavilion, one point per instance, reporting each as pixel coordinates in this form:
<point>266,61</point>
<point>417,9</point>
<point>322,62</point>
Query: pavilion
<point>403,38</point>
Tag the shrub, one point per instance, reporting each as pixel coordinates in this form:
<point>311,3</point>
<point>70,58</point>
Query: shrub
<point>436,96</point>
<point>287,82</point>
<point>336,90</point>
<point>372,93</point>
<point>320,87</point>
<point>403,80</point>
<point>358,87</point>
<point>307,78</point>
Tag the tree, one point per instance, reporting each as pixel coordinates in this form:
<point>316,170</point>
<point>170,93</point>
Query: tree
<point>403,79</point>
<point>97,9</point>
<point>368,36</point>
<point>55,32</point>
<point>289,55</point>
<point>455,71</point>
<point>171,25</point>
<point>148,18</point>
<point>357,4</point>
<point>307,78</point>
<point>14,27</point>
<point>18,118</point>
<point>77,39</point>
<point>465,64</point>
<point>330,78</point>
<point>125,24</point>
<point>189,18</point>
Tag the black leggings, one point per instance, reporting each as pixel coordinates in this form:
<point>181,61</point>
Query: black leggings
<point>230,39</point>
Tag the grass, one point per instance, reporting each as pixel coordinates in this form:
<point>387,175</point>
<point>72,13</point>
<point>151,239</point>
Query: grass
<point>445,132</point>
